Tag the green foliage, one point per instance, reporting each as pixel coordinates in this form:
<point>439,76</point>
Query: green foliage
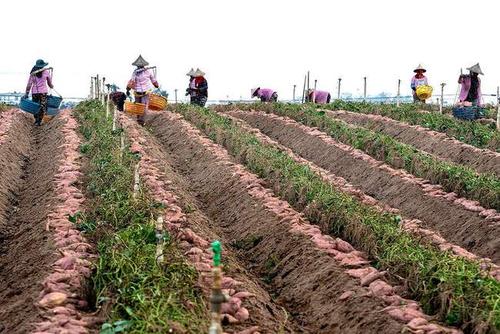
<point>485,188</point>
<point>454,288</point>
<point>141,296</point>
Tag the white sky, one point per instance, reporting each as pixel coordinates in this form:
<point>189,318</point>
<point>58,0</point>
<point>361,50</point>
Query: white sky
<point>241,44</point>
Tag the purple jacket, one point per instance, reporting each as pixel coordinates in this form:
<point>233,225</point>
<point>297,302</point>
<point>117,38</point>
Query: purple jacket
<point>465,81</point>
<point>265,94</point>
<point>320,96</point>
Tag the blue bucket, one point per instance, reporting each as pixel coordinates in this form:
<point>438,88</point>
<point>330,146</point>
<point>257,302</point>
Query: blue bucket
<point>468,113</point>
<point>54,101</point>
<point>33,108</point>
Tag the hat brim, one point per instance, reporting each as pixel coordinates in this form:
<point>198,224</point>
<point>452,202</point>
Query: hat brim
<point>420,69</point>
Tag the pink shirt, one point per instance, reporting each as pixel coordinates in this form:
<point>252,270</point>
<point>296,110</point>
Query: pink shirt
<point>142,80</point>
<point>320,96</point>
<point>464,90</point>
<point>265,93</point>
<point>39,85</point>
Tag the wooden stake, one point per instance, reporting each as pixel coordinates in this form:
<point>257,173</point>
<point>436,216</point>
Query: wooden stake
<point>338,89</point>
<point>175,95</point>
<point>160,240</point>
<point>114,118</point>
<point>304,90</point>
<point>442,98</point>
<point>364,89</point>
<point>294,87</point>
<point>398,103</point>
<point>136,181</point>
<point>498,108</point>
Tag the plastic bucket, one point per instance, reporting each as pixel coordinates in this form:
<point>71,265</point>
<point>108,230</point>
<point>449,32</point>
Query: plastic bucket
<point>468,113</point>
<point>134,108</point>
<point>54,101</point>
<point>157,102</point>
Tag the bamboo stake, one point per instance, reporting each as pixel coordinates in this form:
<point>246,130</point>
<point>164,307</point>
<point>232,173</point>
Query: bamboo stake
<point>294,87</point>
<point>338,89</point>
<point>442,98</point>
<point>122,144</point>
<point>98,88</point>
<point>160,240</point>
<point>398,103</point>
<point>364,90</point>
<point>304,90</point>
<point>136,181</point>
<point>498,108</point>
<point>114,118</point>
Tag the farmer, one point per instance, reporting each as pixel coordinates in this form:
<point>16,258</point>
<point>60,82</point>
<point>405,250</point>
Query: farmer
<point>191,90</point>
<point>142,82</point>
<point>470,93</point>
<point>318,96</point>
<point>38,83</point>
<point>419,79</point>
<point>199,88</point>
<point>264,94</point>
<point>117,97</point>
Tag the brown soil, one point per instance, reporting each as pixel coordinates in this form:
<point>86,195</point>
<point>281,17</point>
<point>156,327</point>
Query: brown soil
<point>304,280</point>
<point>453,221</point>
<point>438,144</point>
<point>26,250</point>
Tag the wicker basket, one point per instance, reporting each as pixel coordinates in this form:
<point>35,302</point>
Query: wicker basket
<point>157,102</point>
<point>47,118</point>
<point>134,108</point>
<point>424,92</point>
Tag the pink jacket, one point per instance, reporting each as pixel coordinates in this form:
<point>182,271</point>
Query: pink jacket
<point>465,81</point>
<point>39,85</point>
<point>142,80</point>
<point>265,93</point>
<point>320,96</point>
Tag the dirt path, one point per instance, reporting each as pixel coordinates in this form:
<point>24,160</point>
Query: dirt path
<point>459,225</point>
<point>436,143</point>
<point>273,241</point>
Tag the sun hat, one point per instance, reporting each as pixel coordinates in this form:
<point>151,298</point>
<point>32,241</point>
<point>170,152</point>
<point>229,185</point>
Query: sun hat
<point>476,69</point>
<point>198,73</point>
<point>191,72</point>
<point>140,62</point>
<point>253,91</point>
<point>420,68</point>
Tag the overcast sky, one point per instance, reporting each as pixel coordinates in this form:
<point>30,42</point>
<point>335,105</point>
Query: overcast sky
<point>242,44</point>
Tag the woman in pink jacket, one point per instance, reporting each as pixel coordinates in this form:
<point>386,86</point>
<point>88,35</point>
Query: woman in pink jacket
<point>318,96</point>
<point>470,93</point>
<point>142,82</point>
<point>38,83</point>
<point>264,94</point>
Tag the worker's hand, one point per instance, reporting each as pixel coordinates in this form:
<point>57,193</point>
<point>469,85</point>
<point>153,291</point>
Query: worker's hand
<point>25,96</point>
<point>157,85</point>
<point>128,92</point>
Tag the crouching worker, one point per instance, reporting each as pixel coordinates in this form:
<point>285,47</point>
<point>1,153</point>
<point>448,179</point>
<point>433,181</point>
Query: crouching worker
<point>264,94</point>
<point>318,96</point>
<point>117,97</point>
<point>38,83</point>
<point>419,79</point>
<point>142,82</point>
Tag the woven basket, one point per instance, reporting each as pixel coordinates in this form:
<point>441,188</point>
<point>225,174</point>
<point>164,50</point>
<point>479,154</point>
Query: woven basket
<point>424,92</point>
<point>134,108</point>
<point>157,102</point>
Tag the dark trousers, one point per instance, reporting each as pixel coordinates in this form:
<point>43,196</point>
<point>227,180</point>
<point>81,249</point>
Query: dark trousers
<point>42,100</point>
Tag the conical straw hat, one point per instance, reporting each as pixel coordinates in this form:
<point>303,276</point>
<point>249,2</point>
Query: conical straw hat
<point>253,91</point>
<point>199,73</point>
<point>476,69</point>
<point>140,62</point>
<point>191,72</point>
<point>420,68</point>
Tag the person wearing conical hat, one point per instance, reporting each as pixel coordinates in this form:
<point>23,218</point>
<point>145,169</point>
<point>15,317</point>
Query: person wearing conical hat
<point>318,96</point>
<point>419,79</point>
<point>198,88</point>
<point>191,90</point>
<point>264,94</point>
<point>39,81</point>
<point>470,92</point>
<point>142,82</point>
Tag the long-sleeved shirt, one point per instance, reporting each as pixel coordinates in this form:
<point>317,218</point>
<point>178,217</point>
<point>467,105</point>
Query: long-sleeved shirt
<point>39,85</point>
<point>415,82</point>
<point>265,94</point>
<point>466,82</point>
<point>320,96</point>
<point>142,80</point>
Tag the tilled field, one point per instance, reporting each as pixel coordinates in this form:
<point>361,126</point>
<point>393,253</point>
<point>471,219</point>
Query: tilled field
<point>482,160</point>
<point>414,198</point>
<point>40,266</point>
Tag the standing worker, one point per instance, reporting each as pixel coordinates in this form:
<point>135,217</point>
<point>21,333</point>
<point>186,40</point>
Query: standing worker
<point>470,93</point>
<point>38,83</point>
<point>191,90</point>
<point>142,82</point>
<point>264,94</point>
<point>200,87</point>
<point>419,79</point>
<point>318,96</point>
